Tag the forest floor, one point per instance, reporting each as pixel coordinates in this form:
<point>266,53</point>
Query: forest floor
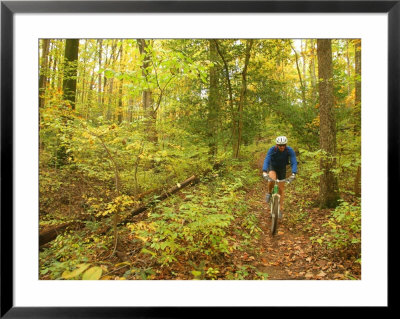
<point>289,255</point>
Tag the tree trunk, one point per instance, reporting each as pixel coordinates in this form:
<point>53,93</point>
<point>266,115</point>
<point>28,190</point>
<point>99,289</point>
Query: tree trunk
<point>121,83</point>
<point>303,55</point>
<point>99,79</point>
<point>43,71</point>
<point>357,107</point>
<point>357,101</point>
<point>328,192</point>
<point>84,89</point>
<point>212,133</point>
<point>70,71</point>
<point>147,95</point>
<point>302,87</point>
<point>313,77</point>
<point>242,98</point>
<point>348,42</point>
<point>228,81</point>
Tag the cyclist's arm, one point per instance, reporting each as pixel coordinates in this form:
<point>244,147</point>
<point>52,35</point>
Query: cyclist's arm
<point>267,160</point>
<point>293,160</point>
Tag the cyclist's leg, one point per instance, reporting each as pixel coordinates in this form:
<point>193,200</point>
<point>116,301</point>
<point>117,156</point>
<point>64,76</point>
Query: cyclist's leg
<point>281,175</point>
<point>271,174</point>
<point>281,192</point>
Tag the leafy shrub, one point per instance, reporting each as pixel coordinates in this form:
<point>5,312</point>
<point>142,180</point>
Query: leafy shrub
<point>343,227</point>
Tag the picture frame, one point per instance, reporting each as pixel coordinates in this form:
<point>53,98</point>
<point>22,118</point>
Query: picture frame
<point>10,8</point>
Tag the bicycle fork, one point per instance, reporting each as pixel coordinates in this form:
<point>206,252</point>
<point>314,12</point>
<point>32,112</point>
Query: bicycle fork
<point>275,196</point>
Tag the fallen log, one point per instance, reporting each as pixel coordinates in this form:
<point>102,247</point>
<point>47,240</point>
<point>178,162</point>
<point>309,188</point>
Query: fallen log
<point>191,180</point>
<point>50,234</point>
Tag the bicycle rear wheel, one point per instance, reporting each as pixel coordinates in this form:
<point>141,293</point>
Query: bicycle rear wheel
<point>274,214</point>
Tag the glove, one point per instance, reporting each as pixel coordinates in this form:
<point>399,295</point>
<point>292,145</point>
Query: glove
<point>265,175</point>
<point>292,177</point>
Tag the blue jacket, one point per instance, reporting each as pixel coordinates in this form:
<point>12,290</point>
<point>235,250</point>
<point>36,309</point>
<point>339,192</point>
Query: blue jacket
<point>278,159</point>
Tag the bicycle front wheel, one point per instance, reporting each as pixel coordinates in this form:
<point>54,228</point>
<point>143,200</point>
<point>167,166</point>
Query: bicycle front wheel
<point>274,214</point>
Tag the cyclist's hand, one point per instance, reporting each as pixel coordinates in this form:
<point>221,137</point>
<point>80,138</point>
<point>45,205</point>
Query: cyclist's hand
<point>292,177</point>
<point>265,175</point>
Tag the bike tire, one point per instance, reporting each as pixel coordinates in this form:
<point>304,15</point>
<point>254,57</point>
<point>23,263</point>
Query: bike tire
<point>274,215</point>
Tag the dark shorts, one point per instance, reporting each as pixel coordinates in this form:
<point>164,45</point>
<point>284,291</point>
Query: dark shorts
<point>280,171</point>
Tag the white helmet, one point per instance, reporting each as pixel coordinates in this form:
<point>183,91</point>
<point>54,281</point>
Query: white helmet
<point>281,140</point>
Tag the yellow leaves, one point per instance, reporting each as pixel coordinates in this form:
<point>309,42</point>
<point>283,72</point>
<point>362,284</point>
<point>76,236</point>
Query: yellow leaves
<point>252,88</point>
<point>140,228</point>
<point>315,122</point>
<point>72,274</point>
<point>145,226</point>
<point>133,146</point>
<point>163,153</point>
<point>351,98</point>
<point>93,273</point>
<point>143,239</point>
<point>111,208</point>
<point>117,205</point>
<point>125,263</point>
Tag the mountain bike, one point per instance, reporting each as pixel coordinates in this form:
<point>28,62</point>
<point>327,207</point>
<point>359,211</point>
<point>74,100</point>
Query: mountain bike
<point>275,202</point>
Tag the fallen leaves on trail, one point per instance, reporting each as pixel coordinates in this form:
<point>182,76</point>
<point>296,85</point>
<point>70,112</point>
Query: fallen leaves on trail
<point>290,254</point>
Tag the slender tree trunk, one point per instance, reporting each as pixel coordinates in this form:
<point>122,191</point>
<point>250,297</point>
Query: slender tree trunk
<point>84,89</point>
<point>70,71</point>
<point>119,109</point>
<point>348,67</point>
<point>59,66</point>
<point>303,55</point>
<point>99,79</point>
<point>213,102</point>
<point>147,95</point>
<point>228,81</point>
<point>357,102</point>
<point>328,192</point>
<point>90,93</point>
<point>303,92</point>
<point>313,77</point>
<point>43,71</point>
<point>357,108</point>
<point>242,98</point>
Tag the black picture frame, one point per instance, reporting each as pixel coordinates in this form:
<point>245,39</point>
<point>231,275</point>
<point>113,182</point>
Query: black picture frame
<point>9,8</point>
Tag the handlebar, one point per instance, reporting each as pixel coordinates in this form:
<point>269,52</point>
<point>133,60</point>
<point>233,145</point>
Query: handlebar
<point>269,179</point>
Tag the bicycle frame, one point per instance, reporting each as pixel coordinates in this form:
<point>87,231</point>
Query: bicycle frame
<point>275,190</point>
<point>275,197</point>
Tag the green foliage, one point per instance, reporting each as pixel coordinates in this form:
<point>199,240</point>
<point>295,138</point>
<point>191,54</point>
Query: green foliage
<point>343,227</point>
<point>247,272</point>
<point>194,226</point>
<point>69,255</point>
<point>197,225</point>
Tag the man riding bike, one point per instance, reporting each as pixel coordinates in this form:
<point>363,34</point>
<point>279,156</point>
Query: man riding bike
<point>275,165</point>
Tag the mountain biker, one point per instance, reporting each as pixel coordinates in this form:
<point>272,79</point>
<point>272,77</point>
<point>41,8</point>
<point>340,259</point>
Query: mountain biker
<point>275,165</point>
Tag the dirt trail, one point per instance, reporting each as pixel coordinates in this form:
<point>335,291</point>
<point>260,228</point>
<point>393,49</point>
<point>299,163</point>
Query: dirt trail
<point>278,254</point>
<point>290,254</point>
